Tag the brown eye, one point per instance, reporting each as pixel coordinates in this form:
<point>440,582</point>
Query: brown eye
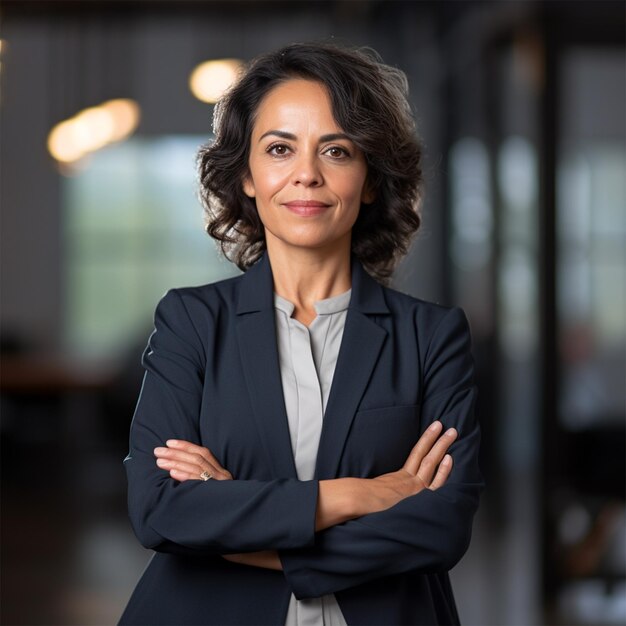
<point>336,152</point>
<point>278,149</point>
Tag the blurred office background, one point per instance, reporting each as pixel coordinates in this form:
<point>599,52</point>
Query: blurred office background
<point>521,107</point>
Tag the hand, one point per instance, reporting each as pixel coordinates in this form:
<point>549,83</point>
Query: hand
<point>187,461</point>
<point>428,466</point>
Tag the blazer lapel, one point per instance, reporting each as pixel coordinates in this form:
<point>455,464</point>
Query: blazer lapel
<point>360,346</point>
<point>256,333</point>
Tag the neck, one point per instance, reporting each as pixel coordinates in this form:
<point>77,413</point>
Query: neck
<point>304,276</point>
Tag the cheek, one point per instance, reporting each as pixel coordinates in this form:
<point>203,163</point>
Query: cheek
<point>264,214</point>
<point>353,191</point>
<point>266,188</point>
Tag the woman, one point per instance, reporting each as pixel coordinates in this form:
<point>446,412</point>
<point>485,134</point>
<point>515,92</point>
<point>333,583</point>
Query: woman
<point>291,455</point>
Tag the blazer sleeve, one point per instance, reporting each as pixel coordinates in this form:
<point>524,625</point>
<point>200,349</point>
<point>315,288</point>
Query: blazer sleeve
<point>430,531</point>
<point>209,517</point>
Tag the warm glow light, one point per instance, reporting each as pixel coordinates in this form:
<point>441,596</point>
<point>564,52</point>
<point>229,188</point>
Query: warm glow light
<point>125,115</point>
<point>92,129</point>
<point>63,143</point>
<point>210,80</point>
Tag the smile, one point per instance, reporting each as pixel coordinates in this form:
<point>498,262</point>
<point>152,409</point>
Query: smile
<point>306,208</point>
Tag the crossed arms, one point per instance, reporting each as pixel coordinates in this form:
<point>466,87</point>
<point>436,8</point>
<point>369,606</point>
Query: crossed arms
<point>326,535</point>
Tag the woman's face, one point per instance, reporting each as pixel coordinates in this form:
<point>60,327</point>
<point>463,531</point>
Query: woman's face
<point>307,177</point>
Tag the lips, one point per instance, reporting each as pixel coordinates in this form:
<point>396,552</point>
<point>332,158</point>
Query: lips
<point>306,207</point>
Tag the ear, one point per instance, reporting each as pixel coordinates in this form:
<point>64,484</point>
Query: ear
<point>368,195</point>
<point>248,187</point>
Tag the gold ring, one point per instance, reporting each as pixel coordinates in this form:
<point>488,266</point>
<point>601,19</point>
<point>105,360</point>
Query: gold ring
<point>205,476</point>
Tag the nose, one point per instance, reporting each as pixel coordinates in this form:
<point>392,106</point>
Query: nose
<point>306,171</point>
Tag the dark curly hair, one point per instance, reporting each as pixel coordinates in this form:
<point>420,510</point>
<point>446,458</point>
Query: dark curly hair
<point>369,102</point>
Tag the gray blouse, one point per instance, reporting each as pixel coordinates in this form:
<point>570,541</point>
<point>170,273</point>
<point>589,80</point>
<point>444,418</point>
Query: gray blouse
<point>307,363</point>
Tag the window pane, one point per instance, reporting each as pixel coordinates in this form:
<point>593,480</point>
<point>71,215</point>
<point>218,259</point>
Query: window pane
<point>133,229</point>
<point>591,231</point>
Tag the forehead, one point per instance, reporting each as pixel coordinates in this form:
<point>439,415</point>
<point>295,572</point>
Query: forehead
<point>295,103</point>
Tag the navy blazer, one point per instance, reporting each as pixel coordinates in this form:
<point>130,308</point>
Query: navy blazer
<point>212,377</point>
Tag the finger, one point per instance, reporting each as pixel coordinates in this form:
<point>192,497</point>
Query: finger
<point>431,461</point>
<point>422,447</point>
<point>193,470</point>
<point>167,459</point>
<point>443,471</point>
<point>182,476</point>
<point>192,448</point>
<point>197,457</point>
<point>180,455</point>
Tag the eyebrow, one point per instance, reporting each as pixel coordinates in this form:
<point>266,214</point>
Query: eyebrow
<point>291,137</point>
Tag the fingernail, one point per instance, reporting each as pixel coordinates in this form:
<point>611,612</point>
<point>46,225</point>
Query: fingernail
<point>159,450</point>
<point>435,426</point>
<point>451,432</point>
<point>447,459</point>
<point>172,442</point>
<point>162,462</point>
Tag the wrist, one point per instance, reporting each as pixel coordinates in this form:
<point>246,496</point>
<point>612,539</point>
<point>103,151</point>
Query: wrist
<point>338,502</point>
<point>356,497</point>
